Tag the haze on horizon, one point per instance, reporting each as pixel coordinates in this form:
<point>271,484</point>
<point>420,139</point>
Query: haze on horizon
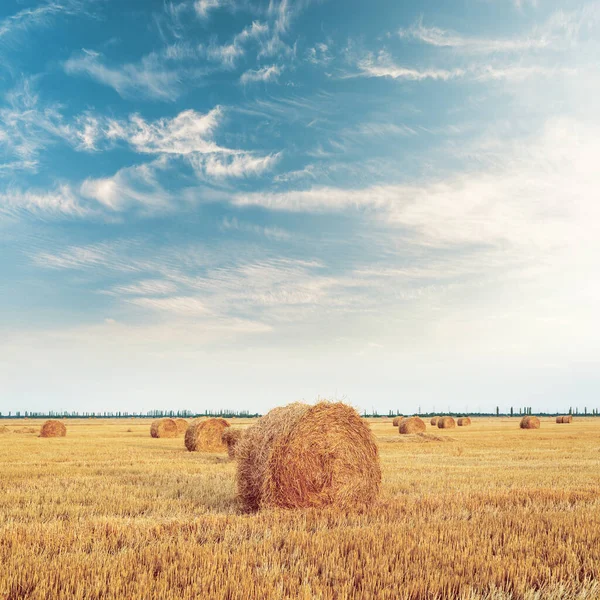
<point>240,203</point>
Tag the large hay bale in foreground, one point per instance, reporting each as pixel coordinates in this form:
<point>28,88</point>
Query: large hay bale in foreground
<point>301,456</point>
<point>397,420</point>
<point>53,428</point>
<point>464,422</point>
<point>231,438</point>
<point>164,428</point>
<point>182,426</point>
<point>411,425</point>
<point>529,422</point>
<point>446,423</point>
<point>559,419</point>
<point>434,421</point>
<point>206,435</point>
<point>567,419</point>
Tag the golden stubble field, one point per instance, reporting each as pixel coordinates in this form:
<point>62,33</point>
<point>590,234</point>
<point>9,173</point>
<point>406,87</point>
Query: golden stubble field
<point>488,511</point>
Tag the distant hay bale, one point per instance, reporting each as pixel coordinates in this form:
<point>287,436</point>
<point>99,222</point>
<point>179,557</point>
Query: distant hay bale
<point>411,425</point>
<point>301,456</point>
<point>53,428</point>
<point>559,419</point>
<point>567,419</point>
<point>434,421</point>
<point>529,422</point>
<point>446,423</point>
<point>164,428</point>
<point>3,429</point>
<point>464,422</point>
<point>206,435</point>
<point>396,421</point>
<point>182,426</point>
<point>231,438</point>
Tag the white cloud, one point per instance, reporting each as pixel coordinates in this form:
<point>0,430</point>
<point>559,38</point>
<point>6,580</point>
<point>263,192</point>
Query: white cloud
<point>39,17</point>
<point>129,187</point>
<point>274,233</point>
<point>178,305</point>
<point>319,54</point>
<point>538,196</point>
<point>383,66</point>
<point>264,74</point>
<point>228,54</point>
<point>560,31</point>
<point>59,202</point>
<point>189,132</point>
<point>204,7</point>
<point>149,77</point>
<point>236,166</point>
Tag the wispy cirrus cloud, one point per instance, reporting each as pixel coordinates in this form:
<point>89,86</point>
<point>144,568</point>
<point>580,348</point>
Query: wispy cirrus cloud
<point>60,202</point>
<point>264,74</point>
<point>236,166</point>
<point>382,65</point>
<point>149,77</point>
<point>40,16</point>
<point>228,54</point>
<point>560,30</point>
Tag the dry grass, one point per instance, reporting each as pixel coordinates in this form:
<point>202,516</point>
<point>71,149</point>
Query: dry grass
<point>105,514</point>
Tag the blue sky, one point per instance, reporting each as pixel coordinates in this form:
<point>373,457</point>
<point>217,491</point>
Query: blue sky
<point>237,204</point>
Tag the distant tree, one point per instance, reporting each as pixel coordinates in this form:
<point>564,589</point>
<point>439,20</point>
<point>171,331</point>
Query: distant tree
<point>511,411</point>
<point>497,410</point>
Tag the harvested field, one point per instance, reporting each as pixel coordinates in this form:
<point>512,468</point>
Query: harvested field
<point>106,514</point>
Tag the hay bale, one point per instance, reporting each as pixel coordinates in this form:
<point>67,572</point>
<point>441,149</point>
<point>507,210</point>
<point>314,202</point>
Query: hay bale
<point>434,421</point>
<point>164,428</point>
<point>3,429</point>
<point>231,438</point>
<point>182,426</point>
<point>446,423</point>
<point>464,422</point>
<point>53,428</point>
<point>206,435</point>
<point>529,422</point>
<point>301,456</point>
<point>411,425</point>
<point>559,419</point>
<point>567,419</point>
<point>397,420</point>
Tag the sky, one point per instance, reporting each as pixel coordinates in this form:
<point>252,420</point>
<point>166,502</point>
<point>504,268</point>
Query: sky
<point>237,204</point>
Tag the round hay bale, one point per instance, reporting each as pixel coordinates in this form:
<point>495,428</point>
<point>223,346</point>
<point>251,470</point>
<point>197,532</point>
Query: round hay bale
<point>206,435</point>
<point>164,428</point>
<point>396,421</point>
<point>559,419</point>
<point>301,456</point>
<point>529,422</point>
<point>231,438</point>
<point>182,426</point>
<point>446,423</point>
<point>434,421</point>
<point>464,422</point>
<point>53,428</point>
<point>412,425</point>
<point>567,419</point>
